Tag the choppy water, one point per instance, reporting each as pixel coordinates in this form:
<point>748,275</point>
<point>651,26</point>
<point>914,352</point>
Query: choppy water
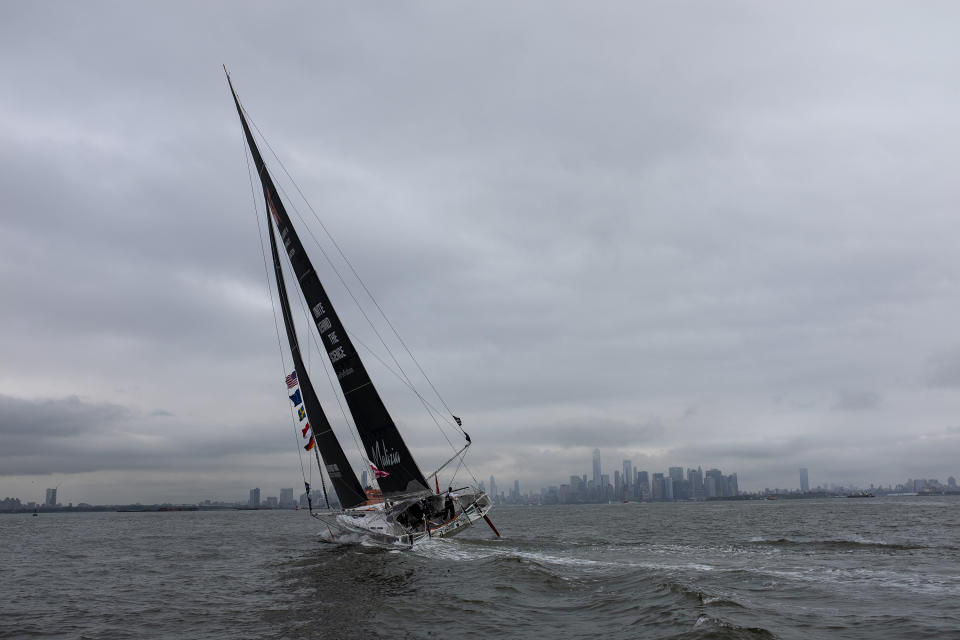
<point>866,568</point>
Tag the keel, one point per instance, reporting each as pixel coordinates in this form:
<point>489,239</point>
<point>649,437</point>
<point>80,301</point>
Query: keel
<point>487,518</point>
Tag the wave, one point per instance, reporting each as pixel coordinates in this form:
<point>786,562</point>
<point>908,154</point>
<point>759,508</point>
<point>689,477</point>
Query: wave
<point>716,628</point>
<point>699,596</point>
<point>837,543</point>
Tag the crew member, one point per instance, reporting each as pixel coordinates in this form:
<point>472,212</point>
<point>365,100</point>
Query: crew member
<point>448,510</point>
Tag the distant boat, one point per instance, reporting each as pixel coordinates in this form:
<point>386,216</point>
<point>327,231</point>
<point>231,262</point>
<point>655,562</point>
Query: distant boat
<point>405,510</point>
<point>860,494</point>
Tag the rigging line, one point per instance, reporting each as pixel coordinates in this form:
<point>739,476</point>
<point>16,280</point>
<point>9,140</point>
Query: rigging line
<point>455,472</point>
<point>469,470</point>
<point>344,284</point>
<point>312,339</point>
<point>406,379</point>
<point>409,383</point>
<point>340,276</point>
<point>351,425</point>
<point>353,270</point>
<point>276,327</point>
<point>423,400</point>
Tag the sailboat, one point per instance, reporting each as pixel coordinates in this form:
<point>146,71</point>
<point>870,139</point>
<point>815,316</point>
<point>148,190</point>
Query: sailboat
<point>404,510</point>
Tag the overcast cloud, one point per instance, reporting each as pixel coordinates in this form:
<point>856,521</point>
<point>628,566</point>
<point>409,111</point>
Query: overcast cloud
<point>688,233</point>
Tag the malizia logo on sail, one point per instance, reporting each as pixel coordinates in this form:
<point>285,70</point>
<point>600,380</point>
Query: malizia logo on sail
<point>383,458</point>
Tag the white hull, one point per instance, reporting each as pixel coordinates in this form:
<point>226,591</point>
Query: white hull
<point>379,521</point>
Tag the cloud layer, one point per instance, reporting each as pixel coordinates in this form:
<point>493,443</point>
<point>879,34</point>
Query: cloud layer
<point>685,234</point>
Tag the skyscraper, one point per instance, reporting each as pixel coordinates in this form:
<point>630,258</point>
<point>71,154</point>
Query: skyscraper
<point>363,478</point>
<point>695,480</point>
<point>493,488</point>
<point>286,498</point>
<point>656,486</point>
<point>627,473</point>
<point>643,485</point>
<point>51,499</point>
<point>804,481</point>
<point>254,497</point>
<point>733,488</point>
<point>596,467</point>
<point>715,485</point>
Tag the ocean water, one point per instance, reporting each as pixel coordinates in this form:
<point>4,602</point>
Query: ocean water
<point>841,568</point>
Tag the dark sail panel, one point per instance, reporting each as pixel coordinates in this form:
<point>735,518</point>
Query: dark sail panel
<point>384,445</point>
<point>344,480</point>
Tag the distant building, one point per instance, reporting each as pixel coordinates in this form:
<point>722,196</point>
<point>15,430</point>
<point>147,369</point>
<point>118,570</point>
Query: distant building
<point>677,491</point>
<point>804,481</point>
<point>363,479</point>
<point>51,499</point>
<point>656,487</point>
<point>695,483</point>
<point>493,489</point>
<point>316,500</point>
<point>596,467</point>
<point>254,497</point>
<point>714,484</point>
<point>627,474</point>
<point>643,485</point>
<point>271,502</point>
<point>286,499</point>
<point>732,488</point>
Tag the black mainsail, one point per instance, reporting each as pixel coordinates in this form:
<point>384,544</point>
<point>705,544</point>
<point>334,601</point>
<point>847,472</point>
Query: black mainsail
<point>395,468</point>
<point>344,480</point>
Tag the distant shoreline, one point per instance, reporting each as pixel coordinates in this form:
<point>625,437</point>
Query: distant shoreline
<point>164,508</point>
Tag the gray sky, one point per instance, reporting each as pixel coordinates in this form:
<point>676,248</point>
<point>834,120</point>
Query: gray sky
<point>688,233</point>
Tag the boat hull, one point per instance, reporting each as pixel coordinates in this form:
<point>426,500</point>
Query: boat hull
<point>379,522</point>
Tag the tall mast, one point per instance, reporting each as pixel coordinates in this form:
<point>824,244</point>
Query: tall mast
<point>399,473</point>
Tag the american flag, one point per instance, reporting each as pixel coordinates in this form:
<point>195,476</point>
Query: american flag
<point>292,380</point>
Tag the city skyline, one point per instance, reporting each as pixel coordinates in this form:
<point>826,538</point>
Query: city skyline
<point>702,485</point>
<point>697,490</point>
<point>791,478</point>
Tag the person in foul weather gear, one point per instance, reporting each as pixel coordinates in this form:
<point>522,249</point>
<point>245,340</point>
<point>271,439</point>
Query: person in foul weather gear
<point>448,510</point>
